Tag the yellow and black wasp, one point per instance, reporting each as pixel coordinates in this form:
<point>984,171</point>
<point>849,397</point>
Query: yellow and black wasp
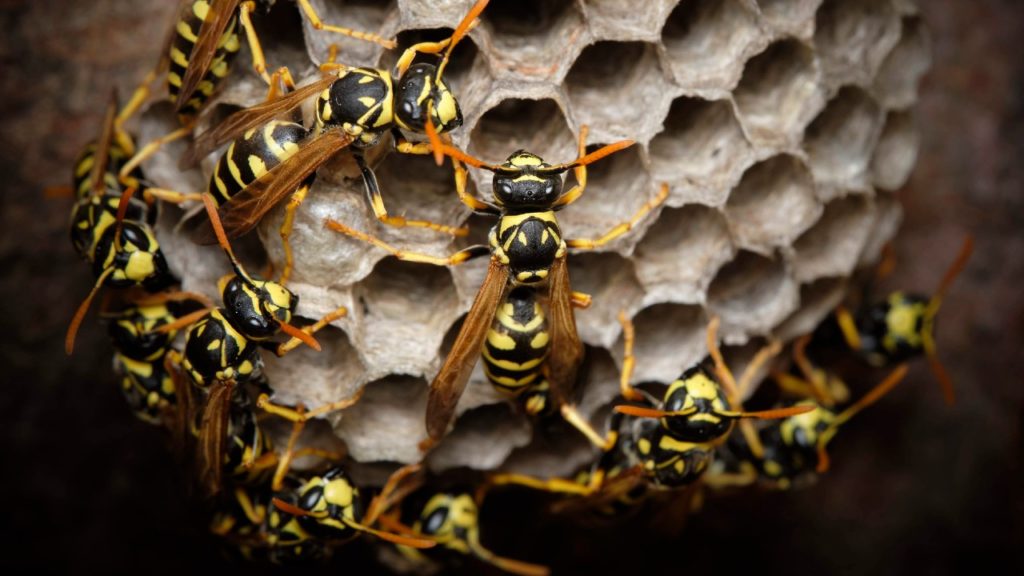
<point>140,352</point>
<point>526,248</point>
<point>902,326</point>
<point>222,348</point>
<point>108,228</point>
<point>451,519</point>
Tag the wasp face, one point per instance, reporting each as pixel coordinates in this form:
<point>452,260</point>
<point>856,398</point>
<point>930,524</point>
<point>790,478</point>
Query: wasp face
<point>139,259</point>
<point>519,185</point>
<point>258,309</point>
<point>696,389</point>
<point>419,90</point>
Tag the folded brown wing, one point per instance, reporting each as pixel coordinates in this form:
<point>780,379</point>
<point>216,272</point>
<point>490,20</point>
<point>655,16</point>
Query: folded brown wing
<point>566,348</point>
<point>216,22</point>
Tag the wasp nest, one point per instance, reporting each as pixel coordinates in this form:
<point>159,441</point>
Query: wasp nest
<point>781,126</point>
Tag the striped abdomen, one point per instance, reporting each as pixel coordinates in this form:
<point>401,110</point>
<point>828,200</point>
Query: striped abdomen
<point>116,157</point>
<point>517,342</point>
<point>185,37</point>
<point>252,155</point>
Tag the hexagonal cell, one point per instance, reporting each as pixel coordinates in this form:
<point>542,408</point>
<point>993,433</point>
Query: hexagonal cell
<point>853,37</point>
<point>772,205</point>
<point>333,374</point>
<point>669,339</point>
<point>778,94</point>
<point>533,38</point>
<point>407,302</point>
<point>462,60</point>
<point>535,125</point>
<point>702,146</point>
<point>707,39</point>
<point>832,245</point>
<point>610,280</point>
<point>751,294</point>
<point>896,152</point>
<point>817,300</point>
<point>738,359</point>
<point>618,90</point>
<point>896,84</point>
<point>387,423</point>
<point>362,15</point>
<point>794,17</point>
<point>481,440</point>
<point>602,386</point>
<point>615,20</point>
<point>617,187</point>
<point>889,214</point>
<point>841,139</point>
<point>680,254</point>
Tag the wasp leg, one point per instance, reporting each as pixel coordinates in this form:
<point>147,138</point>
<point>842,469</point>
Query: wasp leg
<point>138,98</point>
<point>314,20</point>
<point>628,360</point>
<point>763,356</point>
<point>453,260</point>
<point>280,76</point>
<point>293,343</point>
<point>381,212</point>
<point>620,229</point>
<point>298,416</point>
<point>581,300</point>
<point>731,390</point>
<point>557,485</point>
<point>148,150</point>
<point>815,378</point>
<point>580,172</point>
<point>298,197</point>
<point>259,63</point>
<point>170,196</point>
<point>572,416</point>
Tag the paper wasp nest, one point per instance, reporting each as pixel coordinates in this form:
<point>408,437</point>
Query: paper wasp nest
<point>782,127</point>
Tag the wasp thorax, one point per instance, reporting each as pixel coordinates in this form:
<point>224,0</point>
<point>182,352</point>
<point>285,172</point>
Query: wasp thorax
<point>257,309</point>
<point>419,90</point>
<point>360,102</point>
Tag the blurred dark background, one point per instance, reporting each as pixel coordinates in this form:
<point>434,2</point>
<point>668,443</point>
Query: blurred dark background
<point>915,486</point>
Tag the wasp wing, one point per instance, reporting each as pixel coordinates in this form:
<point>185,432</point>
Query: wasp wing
<point>218,16</point>
<point>101,153</point>
<point>244,120</point>
<point>213,432</point>
<point>447,387</point>
<point>245,210</point>
<point>566,348</point>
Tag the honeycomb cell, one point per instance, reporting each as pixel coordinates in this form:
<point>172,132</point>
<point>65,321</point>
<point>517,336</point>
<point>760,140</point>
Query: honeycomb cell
<point>317,378</point>
<point>751,294</point>
<point>669,339</point>
<point>610,280</point>
<point>779,94</point>
<point>408,303</point>
<point>853,37</point>
<point>614,20</point>
<point>461,62</point>
<point>363,15</point>
<point>841,139</point>
<point>831,247</point>
<point>617,187</point>
<point>535,125</point>
<point>705,41</point>
<point>817,300</point>
<point>482,439</point>
<point>533,38</point>
<point>701,151</point>
<point>618,90</point>
<point>387,422</point>
<point>889,214</point>
<point>773,203</point>
<point>896,152</point>
<point>738,359</point>
<point>794,17</point>
<point>680,254</point>
<point>895,86</point>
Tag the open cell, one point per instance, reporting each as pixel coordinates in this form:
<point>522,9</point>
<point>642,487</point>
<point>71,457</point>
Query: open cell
<point>537,38</point>
<point>617,89</point>
<point>611,281</point>
<point>482,439</point>
<point>751,294</point>
<point>896,83</point>
<point>841,139</point>
<point>387,422</point>
<point>615,20</point>
<point>706,39</point>
<point>888,215</point>
<point>316,378</point>
<point>702,143</point>
<point>896,152</point>
<point>853,37</point>
<point>363,15</point>
<point>669,339</point>
<point>817,300</point>
<point>791,16</point>
<point>772,205</point>
<point>779,93</point>
<point>832,245</point>
<point>681,253</point>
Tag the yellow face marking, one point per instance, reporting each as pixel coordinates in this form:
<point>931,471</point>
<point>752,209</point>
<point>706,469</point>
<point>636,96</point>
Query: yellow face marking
<point>339,492</point>
<point>670,444</point>
<point>140,264</point>
<point>901,323</point>
<point>520,160</point>
<point>446,108</point>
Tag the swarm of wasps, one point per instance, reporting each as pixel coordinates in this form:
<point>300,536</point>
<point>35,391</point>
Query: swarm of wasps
<point>207,388</point>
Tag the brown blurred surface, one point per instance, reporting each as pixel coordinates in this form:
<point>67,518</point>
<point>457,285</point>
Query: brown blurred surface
<point>915,486</point>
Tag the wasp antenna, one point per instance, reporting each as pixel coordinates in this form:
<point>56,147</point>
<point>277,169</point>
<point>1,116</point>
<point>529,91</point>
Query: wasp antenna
<point>466,158</point>
<point>600,153</point>
<point>300,334</point>
<point>468,21</point>
<point>954,269</point>
<point>435,140</point>
<point>76,321</point>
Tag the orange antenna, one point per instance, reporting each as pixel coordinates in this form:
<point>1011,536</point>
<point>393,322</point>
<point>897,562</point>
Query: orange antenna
<point>593,156</point>
<point>868,399</point>
<point>83,308</point>
<point>467,23</point>
<point>222,238</point>
<point>928,335</point>
<point>184,321</point>
<point>300,334</point>
<point>435,140</point>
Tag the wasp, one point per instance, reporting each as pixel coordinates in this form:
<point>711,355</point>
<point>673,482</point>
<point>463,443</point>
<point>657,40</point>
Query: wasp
<point>222,347</point>
<point>526,248</point>
<point>451,520</point>
<point>902,326</point>
<point>140,352</point>
<point>108,229</point>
